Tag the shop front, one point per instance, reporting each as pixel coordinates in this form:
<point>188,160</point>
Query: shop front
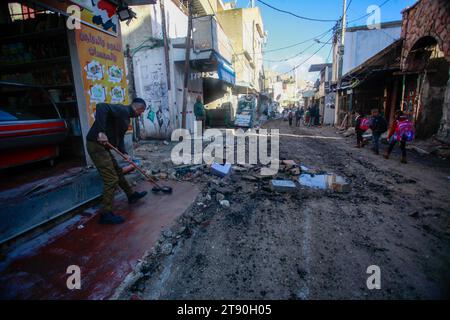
<point>58,59</point>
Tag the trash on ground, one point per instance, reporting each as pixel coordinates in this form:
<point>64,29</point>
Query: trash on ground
<point>325,181</point>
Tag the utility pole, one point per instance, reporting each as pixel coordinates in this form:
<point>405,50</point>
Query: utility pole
<point>187,66</point>
<point>340,59</point>
<point>341,47</point>
<point>166,42</point>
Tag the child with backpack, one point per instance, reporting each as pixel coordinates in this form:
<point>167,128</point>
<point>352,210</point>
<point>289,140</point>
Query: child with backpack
<point>402,131</point>
<point>361,126</point>
<point>378,125</point>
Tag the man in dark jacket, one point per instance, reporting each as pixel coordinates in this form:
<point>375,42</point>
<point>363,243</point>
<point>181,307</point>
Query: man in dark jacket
<point>378,125</point>
<point>111,123</point>
<point>200,112</point>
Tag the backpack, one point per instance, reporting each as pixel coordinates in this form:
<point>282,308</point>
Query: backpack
<point>364,124</point>
<point>405,130</point>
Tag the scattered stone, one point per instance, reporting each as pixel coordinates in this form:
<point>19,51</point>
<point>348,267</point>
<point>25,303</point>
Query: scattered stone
<point>250,178</point>
<point>220,197</point>
<point>208,197</point>
<point>224,190</point>
<point>239,169</point>
<point>166,143</point>
<point>168,233</point>
<point>225,203</point>
<point>166,249</point>
<point>220,170</point>
<point>283,185</point>
<point>289,163</point>
<point>181,230</point>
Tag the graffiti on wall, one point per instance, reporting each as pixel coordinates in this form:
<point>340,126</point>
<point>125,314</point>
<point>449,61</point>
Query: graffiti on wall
<point>156,119</point>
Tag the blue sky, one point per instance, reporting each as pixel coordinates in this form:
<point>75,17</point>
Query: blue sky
<point>284,30</point>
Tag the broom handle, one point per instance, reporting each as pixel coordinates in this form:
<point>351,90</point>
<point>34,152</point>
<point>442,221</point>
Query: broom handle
<point>132,163</point>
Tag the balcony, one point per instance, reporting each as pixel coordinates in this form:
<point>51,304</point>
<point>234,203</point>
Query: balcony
<point>211,49</point>
<point>208,35</point>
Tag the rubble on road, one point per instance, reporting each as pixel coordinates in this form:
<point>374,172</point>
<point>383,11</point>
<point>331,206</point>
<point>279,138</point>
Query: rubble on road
<point>225,203</point>
<point>220,170</point>
<point>341,187</point>
<point>283,185</point>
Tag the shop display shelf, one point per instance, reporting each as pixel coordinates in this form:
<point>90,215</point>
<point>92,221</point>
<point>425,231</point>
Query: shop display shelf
<point>36,63</point>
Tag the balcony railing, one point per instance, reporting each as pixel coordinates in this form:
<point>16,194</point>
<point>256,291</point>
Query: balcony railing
<point>208,35</point>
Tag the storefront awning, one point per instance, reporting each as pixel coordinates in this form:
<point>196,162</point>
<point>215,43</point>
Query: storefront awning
<point>225,70</point>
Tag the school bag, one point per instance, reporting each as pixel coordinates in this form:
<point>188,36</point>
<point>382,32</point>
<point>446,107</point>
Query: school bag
<point>405,130</point>
<point>364,124</point>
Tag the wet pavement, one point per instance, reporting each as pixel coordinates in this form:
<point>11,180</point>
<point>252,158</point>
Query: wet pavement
<point>105,254</point>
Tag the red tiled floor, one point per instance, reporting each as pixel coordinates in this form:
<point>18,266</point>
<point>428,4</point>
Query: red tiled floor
<point>105,254</point>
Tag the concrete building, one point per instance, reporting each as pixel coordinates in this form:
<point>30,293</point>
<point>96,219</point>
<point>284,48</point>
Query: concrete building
<point>157,62</point>
<point>360,44</point>
<point>325,97</point>
<point>244,27</point>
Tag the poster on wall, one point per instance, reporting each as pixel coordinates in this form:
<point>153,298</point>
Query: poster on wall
<point>99,14</point>
<point>103,68</point>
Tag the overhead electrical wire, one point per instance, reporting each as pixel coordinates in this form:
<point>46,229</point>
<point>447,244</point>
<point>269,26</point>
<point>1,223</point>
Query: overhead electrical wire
<point>304,61</point>
<point>296,15</point>
<point>299,43</point>
<point>301,52</point>
<point>370,13</point>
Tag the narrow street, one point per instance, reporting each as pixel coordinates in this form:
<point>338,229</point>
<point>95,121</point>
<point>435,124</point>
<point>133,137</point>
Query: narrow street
<point>311,244</point>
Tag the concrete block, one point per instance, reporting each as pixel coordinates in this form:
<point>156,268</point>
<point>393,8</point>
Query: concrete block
<point>283,185</point>
<point>220,170</point>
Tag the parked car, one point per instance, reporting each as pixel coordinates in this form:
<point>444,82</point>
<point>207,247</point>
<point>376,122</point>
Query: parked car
<point>31,127</point>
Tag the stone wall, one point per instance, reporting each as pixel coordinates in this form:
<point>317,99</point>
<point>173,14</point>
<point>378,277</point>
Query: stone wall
<point>429,18</point>
<point>426,18</point>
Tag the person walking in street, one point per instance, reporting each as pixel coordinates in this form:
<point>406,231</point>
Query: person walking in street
<point>298,117</point>
<point>308,117</point>
<point>378,125</point>
<point>290,116</point>
<point>361,125</point>
<point>111,123</point>
<point>402,131</point>
<point>200,112</point>
<point>312,116</point>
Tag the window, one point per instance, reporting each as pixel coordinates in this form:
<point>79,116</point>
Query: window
<point>18,103</point>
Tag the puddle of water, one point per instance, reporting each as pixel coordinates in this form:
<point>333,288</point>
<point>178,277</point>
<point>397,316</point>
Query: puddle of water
<point>320,181</point>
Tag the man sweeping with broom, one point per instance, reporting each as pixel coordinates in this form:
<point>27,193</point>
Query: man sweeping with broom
<point>111,123</point>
